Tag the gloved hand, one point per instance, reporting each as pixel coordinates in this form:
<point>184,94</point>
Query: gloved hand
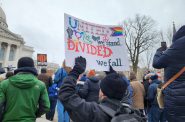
<point>79,67</point>
<point>111,70</point>
<point>161,49</point>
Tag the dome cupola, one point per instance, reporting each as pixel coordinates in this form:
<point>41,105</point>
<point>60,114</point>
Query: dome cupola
<point>3,18</point>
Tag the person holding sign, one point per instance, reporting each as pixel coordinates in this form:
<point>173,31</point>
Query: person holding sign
<point>112,89</point>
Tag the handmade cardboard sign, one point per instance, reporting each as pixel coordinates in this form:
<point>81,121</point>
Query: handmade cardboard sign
<point>101,45</point>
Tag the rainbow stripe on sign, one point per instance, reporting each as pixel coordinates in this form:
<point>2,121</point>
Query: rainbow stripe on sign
<point>117,31</point>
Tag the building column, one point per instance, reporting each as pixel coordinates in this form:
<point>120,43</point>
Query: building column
<point>17,54</point>
<point>6,61</point>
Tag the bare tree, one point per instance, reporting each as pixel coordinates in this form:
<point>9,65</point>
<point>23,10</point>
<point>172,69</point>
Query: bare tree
<point>169,35</point>
<point>162,36</point>
<point>140,35</point>
<point>146,59</point>
<point>149,56</point>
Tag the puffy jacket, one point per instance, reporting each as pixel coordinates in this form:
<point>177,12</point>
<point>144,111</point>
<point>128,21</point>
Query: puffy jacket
<point>90,90</point>
<point>152,92</point>
<point>25,97</point>
<point>173,59</point>
<point>78,109</point>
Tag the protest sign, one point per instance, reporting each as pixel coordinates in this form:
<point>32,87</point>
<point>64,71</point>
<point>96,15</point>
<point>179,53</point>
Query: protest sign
<point>101,45</point>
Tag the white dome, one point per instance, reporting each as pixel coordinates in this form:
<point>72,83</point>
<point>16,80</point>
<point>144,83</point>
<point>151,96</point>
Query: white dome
<point>2,18</point>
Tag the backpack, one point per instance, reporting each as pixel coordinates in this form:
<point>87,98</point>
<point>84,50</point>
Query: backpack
<point>124,114</point>
<point>53,90</point>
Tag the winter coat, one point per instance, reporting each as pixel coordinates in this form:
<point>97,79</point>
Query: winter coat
<point>59,76</point>
<point>138,94</point>
<point>24,97</point>
<point>173,59</point>
<point>130,93</point>
<point>78,109</point>
<point>46,79</point>
<point>152,92</point>
<point>90,90</point>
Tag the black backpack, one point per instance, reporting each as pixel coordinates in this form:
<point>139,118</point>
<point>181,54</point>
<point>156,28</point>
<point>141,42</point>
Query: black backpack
<point>124,113</point>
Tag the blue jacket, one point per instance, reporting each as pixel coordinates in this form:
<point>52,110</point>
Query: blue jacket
<point>59,76</point>
<point>83,78</point>
<point>53,91</point>
<point>130,92</point>
<point>152,91</point>
<point>127,98</point>
<point>173,60</point>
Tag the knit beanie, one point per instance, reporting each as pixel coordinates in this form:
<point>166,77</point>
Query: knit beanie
<point>25,62</point>
<point>91,73</point>
<point>114,86</point>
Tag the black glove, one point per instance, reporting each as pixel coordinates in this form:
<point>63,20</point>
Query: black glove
<point>161,49</point>
<point>79,67</point>
<point>111,70</point>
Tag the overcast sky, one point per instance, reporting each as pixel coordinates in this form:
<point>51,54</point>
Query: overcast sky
<point>41,22</point>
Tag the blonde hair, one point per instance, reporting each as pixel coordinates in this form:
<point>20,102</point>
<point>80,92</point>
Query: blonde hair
<point>68,69</point>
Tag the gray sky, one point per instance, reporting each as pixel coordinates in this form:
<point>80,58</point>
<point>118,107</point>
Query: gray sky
<point>41,22</point>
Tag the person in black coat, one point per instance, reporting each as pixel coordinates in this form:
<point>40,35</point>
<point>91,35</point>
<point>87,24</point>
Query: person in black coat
<point>173,60</point>
<point>90,90</point>
<point>113,87</point>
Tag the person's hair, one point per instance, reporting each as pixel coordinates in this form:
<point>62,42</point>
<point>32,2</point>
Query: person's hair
<point>132,76</point>
<point>9,74</point>
<point>43,70</point>
<point>68,69</point>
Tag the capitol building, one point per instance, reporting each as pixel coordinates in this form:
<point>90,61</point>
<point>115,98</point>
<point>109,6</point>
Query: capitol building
<point>12,46</point>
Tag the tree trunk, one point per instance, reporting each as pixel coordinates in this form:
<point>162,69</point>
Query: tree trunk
<point>135,68</point>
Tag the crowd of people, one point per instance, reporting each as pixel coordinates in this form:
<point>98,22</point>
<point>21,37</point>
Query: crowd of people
<point>90,96</point>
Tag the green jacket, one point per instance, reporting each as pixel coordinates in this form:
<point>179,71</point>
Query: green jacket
<point>25,97</point>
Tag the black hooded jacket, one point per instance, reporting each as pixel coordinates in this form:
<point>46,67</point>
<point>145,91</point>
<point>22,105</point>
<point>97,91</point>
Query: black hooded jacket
<point>173,60</point>
<point>78,109</point>
<point>90,90</point>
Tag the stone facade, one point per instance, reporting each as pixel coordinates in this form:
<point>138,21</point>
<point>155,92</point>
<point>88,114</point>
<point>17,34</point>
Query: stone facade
<point>12,46</point>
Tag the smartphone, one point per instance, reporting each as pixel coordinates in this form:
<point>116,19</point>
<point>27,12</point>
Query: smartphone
<point>163,44</point>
